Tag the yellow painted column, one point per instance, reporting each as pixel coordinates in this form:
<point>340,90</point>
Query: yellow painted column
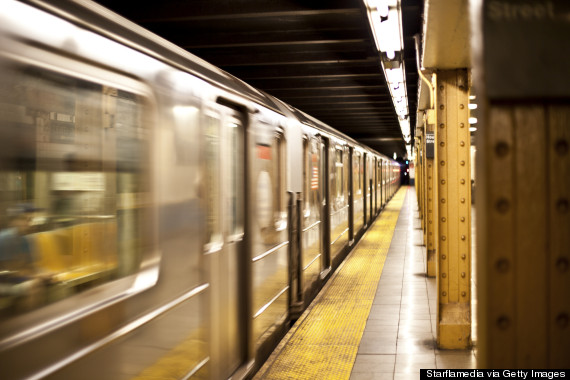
<point>526,231</point>
<point>454,209</point>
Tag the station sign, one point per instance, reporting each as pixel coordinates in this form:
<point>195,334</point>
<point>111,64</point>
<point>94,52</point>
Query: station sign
<point>526,48</point>
<point>430,142</point>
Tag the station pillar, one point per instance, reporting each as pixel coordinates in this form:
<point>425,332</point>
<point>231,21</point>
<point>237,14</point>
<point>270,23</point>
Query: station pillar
<point>523,185</point>
<point>451,172</point>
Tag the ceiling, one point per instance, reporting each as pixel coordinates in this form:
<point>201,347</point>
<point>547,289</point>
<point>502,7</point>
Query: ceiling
<point>319,56</point>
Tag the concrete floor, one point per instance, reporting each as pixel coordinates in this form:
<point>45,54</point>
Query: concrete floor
<point>400,334</point>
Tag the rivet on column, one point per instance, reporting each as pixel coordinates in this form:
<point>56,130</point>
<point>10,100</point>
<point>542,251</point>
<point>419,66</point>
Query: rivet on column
<point>443,200</point>
<point>443,219</point>
<point>562,206</point>
<point>561,147</point>
<point>463,294</point>
<point>502,265</point>
<point>501,149</point>
<point>562,264</point>
<point>443,238</point>
<point>503,322</point>
<point>502,205</point>
<point>562,320</point>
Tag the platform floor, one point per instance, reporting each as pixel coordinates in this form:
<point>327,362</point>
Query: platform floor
<point>375,318</point>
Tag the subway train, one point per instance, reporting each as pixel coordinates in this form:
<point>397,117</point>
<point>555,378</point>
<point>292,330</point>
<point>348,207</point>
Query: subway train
<point>159,218</point>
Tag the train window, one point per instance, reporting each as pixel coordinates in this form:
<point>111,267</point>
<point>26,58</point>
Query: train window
<point>234,133</point>
<point>74,186</point>
<point>346,170</point>
<point>357,174</point>
<point>339,166</point>
<point>270,190</point>
<point>306,173</point>
<point>212,180</point>
<point>311,180</point>
<point>279,176</point>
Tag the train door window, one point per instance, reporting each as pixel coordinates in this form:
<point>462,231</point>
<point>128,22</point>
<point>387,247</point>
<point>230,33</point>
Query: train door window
<point>306,176</point>
<point>279,176</point>
<point>212,182</point>
<point>270,189</point>
<point>234,151</point>
<point>74,183</point>
<point>357,174</point>
<point>346,169</point>
<point>339,174</point>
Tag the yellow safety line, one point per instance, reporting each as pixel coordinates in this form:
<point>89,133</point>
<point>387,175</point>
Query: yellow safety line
<point>325,340</point>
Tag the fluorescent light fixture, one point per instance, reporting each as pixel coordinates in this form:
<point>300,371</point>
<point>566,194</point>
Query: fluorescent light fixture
<point>472,129</point>
<point>472,106</point>
<point>395,75</point>
<point>385,18</point>
<point>472,97</point>
<point>472,120</point>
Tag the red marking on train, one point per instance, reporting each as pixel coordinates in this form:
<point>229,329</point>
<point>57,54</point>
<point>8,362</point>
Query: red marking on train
<point>264,152</point>
<point>315,178</point>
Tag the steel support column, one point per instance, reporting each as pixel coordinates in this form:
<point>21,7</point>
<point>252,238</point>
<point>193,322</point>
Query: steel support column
<point>431,190</point>
<point>454,209</point>
<point>525,225</point>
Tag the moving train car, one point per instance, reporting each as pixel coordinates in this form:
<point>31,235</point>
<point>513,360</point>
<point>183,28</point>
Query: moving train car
<point>158,217</point>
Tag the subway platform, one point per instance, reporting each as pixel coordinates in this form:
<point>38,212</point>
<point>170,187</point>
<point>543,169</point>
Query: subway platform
<point>376,317</point>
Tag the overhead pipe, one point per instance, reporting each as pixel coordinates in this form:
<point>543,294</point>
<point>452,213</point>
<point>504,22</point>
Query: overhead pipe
<point>420,71</point>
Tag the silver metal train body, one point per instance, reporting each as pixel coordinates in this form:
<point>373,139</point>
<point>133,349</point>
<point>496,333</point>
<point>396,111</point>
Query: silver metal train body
<point>158,217</point>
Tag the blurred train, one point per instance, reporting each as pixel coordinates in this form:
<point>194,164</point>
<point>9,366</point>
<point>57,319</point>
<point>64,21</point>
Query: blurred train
<point>159,218</point>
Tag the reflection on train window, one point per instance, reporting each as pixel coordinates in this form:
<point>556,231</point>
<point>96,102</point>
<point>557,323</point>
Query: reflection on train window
<point>212,180</point>
<point>73,182</point>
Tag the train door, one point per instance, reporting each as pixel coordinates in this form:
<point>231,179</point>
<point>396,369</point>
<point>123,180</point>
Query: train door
<point>271,231</point>
<point>370,185</point>
<point>358,200</point>
<point>365,191</point>
<point>375,174</point>
<point>225,169</point>
<point>312,229</point>
<point>379,183</point>
<point>325,177</point>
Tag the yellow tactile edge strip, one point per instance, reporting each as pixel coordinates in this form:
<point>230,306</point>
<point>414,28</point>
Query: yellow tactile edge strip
<point>324,342</point>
